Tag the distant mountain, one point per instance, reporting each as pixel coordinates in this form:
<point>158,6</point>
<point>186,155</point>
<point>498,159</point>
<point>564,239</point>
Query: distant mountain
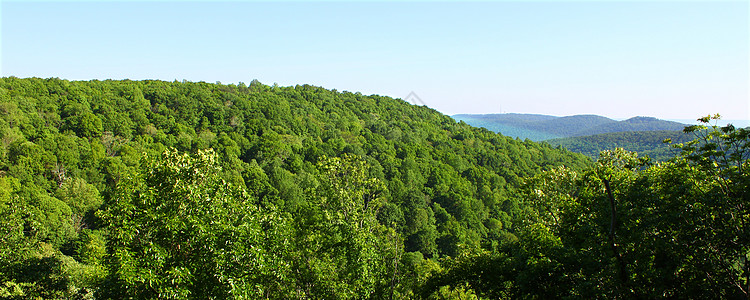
<point>574,125</point>
<point>634,124</point>
<point>543,127</point>
<point>512,125</point>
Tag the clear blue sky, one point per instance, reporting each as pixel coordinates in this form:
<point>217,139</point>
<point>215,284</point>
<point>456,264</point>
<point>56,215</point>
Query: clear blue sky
<point>667,59</point>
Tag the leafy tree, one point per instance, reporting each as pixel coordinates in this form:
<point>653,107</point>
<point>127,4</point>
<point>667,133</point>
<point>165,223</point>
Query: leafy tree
<point>721,155</point>
<point>176,230</point>
<point>341,250</point>
<point>409,178</point>
<point>81,197</point>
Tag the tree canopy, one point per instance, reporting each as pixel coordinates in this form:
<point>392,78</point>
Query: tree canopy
<point>154,189</point>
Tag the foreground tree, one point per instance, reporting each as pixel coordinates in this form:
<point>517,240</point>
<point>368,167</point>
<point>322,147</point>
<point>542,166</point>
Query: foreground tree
<point>176,230</point>
<point>626,228</point>
<point>340,250</point>
<point>721,158</point>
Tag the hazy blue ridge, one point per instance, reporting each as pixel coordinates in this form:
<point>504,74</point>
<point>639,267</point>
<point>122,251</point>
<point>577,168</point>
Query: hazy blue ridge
<point>508,118</point>
<point>573,125</point>
<point>502,127</point>
<point>543,127</point>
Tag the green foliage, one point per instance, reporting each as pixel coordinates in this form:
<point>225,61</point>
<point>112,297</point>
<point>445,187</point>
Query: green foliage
<point>177,230</point>
<point>12,210</point>
<point>152,189</point>
<point>624,228</point>
<point>294,192</point>
<point>341,251</point>
<point>91,247</point>
<point>458,293</point>
<point>646,143</point>
<point>81,197</point>
<point>627,228</point>
<point>50,219</point>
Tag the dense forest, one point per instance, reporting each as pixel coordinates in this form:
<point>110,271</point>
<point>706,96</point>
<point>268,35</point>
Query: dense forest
<point>154,189</point>
<point>588,134</point>
<point>649,143</point>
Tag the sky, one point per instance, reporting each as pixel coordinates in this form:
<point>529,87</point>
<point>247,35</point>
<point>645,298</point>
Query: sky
<point>620,59</point>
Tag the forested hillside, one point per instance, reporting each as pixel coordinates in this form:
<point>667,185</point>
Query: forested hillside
<point>183,190</point>
<point>152,188</point>
<point>646,143</point>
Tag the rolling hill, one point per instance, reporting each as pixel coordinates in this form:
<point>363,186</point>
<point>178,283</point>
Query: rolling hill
<point>123,189</point>
<point>544,127</point>
<point>586,134</point>
<point>644,142</point>
<point>217,189</point>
